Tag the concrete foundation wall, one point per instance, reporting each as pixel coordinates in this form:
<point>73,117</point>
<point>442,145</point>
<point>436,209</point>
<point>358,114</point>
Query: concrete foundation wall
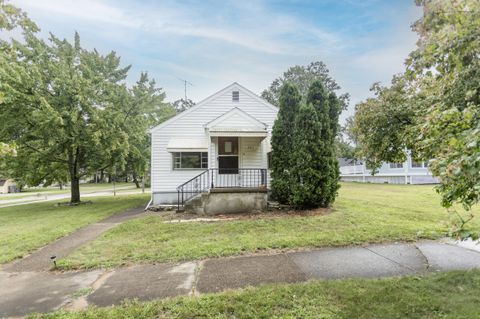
<point>227,203</point>
<point>165,198</point>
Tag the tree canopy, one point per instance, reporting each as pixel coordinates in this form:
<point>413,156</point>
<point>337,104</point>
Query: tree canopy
<point>303,77</point>
<point>68,110</point>
<point>433,108</point>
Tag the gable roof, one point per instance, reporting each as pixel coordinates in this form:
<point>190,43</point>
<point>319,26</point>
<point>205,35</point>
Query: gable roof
<point>210,98</point>
<point>236,112</point>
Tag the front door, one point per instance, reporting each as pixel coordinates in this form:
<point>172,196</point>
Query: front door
<point>228,162</point>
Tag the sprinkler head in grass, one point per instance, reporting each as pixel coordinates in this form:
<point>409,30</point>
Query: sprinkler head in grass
<point>54,260</point>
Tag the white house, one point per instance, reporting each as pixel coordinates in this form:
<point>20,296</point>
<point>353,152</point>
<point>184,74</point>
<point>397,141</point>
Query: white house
<point>7,186</point>
<point>408,172</point>
<point>218,145</point>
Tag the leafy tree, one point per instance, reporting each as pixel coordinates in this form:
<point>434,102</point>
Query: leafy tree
<point>437,108</point>
<point>181,105</point>
<point>381,124</point>
<point>283,144</point>
<point>6,149</point>
<point>346,144</point>
<point>303,77</point>
<point>146,109</point>
<point>12,17</point>
<point>344,149</point>
<point>64,107</point>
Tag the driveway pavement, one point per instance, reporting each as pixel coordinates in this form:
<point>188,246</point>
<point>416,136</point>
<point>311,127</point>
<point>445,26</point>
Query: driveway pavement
<point>24,292</point>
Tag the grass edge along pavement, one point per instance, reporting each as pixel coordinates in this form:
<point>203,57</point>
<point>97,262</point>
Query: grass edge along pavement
<point>453,294</point>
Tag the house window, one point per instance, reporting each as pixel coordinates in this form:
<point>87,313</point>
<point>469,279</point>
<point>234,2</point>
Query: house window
<point>418,164</point>
<point>190,160</point>
<point>228,146</point>
<point>235,96</point>
<point>396,165</point>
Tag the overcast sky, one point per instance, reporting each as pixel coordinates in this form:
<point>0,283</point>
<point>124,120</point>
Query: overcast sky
<point>214,43</point>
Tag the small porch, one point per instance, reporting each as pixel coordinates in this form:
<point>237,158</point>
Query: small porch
<point>237,162</point>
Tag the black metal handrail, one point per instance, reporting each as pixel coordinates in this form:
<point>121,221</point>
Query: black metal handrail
<point>221,178</point>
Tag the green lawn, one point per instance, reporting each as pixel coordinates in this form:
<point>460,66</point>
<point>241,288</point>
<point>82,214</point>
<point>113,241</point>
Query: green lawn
<point>446,295</point>
<point>27,227</point>
<point>363,213</point>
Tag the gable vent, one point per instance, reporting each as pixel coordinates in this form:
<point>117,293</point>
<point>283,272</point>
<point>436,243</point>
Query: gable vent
<point>235,96</point>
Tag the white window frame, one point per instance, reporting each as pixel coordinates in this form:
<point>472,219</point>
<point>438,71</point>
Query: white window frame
<point>395,165</point>
<point>422,164</point>
<point>235,96</point>
<point>177,161</point>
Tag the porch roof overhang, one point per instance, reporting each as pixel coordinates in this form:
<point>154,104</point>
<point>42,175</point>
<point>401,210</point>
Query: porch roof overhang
<point>187,145</point>
<point>236,122</point>
<point>241,132</point>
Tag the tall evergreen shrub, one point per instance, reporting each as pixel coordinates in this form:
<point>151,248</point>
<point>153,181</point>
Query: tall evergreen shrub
<point>308,172</point>
<point>282,143</point>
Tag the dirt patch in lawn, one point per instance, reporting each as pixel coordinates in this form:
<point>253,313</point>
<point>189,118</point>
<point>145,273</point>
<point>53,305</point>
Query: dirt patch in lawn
<point>170,215</point>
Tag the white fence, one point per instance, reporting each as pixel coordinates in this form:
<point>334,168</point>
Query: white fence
<point>352,169</point>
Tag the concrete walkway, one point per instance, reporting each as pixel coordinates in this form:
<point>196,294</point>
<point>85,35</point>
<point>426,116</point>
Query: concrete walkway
<point>40,259</point>
<point>24,292</point>
<point>54,197</point>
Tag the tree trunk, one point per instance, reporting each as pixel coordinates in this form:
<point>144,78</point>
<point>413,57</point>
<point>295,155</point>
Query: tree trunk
<point>102,176</point>
<point>75,183</point>
<point>135,180</point>
<point>75,190</point>
<point>109,178</point>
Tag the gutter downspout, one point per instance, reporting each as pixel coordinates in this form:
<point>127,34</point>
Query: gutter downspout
<point>149,203</point>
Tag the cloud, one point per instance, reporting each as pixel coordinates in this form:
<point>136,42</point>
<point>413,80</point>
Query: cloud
<point>254,28</point>
<point>89,10</point>
<point>215,42</point>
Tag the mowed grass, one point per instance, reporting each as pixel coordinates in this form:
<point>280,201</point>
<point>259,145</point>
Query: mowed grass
<point>363,213</point>
<point>446,295</point>
<point>28,227</point>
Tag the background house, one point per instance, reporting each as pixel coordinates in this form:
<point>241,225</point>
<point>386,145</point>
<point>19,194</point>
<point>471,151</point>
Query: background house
<point>7,186</point>
<point>408,172</point>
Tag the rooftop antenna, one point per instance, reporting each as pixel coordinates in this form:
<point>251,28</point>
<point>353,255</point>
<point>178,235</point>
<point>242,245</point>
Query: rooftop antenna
<point>185,82</point>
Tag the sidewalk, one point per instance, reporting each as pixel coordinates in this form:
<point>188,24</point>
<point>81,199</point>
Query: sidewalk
<point>45,197</point>
<point>40,259</point>
<point>24,292</point>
